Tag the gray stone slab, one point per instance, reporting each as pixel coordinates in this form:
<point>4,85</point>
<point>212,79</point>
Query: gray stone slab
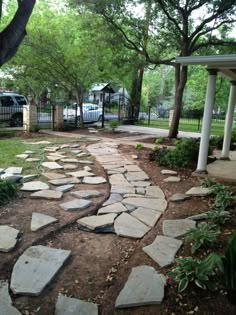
<point>83,154</point>
<point>163,250</point>
<point>114,208</point>
<point>38,142</point>
<point>53,175</point>
<point>47,194</point>
<point>94,180</point>
<point>145,286</point>
<point>70,166</point>
<point>86,193</point>
<point>203,216</point>
<point>128,226</point>
<point>80,174</point>
<point>147,216</point>
<point>6,307</point>
<point>198,191</point>
<point>172,179</point>
<point>72,306</point>
<point>155,191</point>
<point>130,208</point>
<point>22,156</point>
<point>122,190</point>
<point>120,170</point>
<point>168,172</point>
<point>136,176</point>
<point>53,158</point>
<point>52,165</point>
<point>150,203</point>
<point>76,145</point>
<point>32,160</point>
<point>86,162</point>
<point>35,268</point>
<point>28,152</point>
<point>176,228</point>
<point>87,168</point>
<point>69,160</point>
<point>112,199</point>
<point>133,168</point>
<point>12,178</point>
<point>28,178</point>
<point>8,238</point>
<point>34,186</point>
<point>119,180</point>
<point>64,181</point>
<point>51,149</point>
<point>140,191</point>
<point>179,197</point>
<point>65,188</point>
<point>97,221</point>
<point>40,221</point>
<point>140,183</point>
<point>14,170</point>
<point>57,154</point>
<point>63,146</point>
<point>76,204</point>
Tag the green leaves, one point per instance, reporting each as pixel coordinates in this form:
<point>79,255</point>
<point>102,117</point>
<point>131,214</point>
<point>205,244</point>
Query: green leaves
<point>8,191</point>
<point>229,264</point>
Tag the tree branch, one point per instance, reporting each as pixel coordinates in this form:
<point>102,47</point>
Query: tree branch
<point>214,43</point>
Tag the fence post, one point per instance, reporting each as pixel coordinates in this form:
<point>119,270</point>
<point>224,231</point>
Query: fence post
<point>171,113</point>
<point>30,117</point>
<point>58,122</point>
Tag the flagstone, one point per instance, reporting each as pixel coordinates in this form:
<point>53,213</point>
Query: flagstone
<point>57,154</point>
<point>118,179</point>
<point>28,152</point>
<point>83,154</point>
<point>136,176</point>
<point>176,228</point>
<point>120,170</point>
<point>11,177</point>
<point>22,156</point>
<point>96,180</point>
<point>51,149</point>
<point>76,204</point>
<point>140,191</point>
<point>97,221</point>
<point>113,198</point>
<point>155,191</point>
<point>133,168</point>
<point>76,151</point>
<point>168,172</point>
<point>63,146</point>
<point>32,160</point>
<point>86,193</point>
<point>172,179</point>
<point>53,158</point>
<point>40,221</point>
<point>198,191</point>
<point>47,194</point>
<point>179,197</point>
<point>14,170</point>
<point>87,168</point>
<point>64,181</point>
<point>8,238</point>
<point>52,165</point>
<point>140,183</point>
<point>147,216</point>
<point>70,166</point>
<point>28,178</point>
<point>76,145</point>
<point>34,186</point>
<point>150,203</point>
<point>85,162</point>
<point>6,307</point>
<point>65,188</point>
<point>113,208</point>
<point>80,174</point>
<point>71,306</point>
<point>69,160</point>
<point>122,190</point>
<point>53,175</point>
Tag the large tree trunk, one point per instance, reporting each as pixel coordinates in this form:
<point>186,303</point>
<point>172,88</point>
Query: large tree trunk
<point>180,81</point>
<point>12,36</point>
<point>79,101</point>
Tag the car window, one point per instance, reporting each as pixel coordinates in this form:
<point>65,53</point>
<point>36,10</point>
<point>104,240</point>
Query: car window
<point>21,100</point>
<point>7,101</point>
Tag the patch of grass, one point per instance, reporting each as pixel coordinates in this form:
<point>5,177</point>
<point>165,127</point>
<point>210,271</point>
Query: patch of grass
<point>8,191</point>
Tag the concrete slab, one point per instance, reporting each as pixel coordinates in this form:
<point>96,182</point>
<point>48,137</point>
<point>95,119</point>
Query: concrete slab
<point>86,193</point>
<point>8,238</point>
<point>75,204</point>
<point>113,208</point>
<point>150,203</point>
<point>52,165</point>
<point>72,306</point>
<point>147,216</point>
<point>47,194</point>
<point>97,221</point>
<point>6,307</point>
<point>34,186</point>
<point>176,228</point>
<point>40,221</point>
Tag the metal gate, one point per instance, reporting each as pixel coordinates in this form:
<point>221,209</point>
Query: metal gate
<point>45,115</point>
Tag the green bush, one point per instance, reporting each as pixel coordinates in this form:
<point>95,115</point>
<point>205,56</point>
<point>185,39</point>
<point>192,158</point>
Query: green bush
<point>159,140</point>
<point>113,124</point>
<point>139,146</point>
<point>8,191</point>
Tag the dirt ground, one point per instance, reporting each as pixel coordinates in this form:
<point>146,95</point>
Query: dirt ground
<point>100,263</point>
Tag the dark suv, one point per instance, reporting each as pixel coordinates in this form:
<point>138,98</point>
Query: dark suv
<point>11,108</point>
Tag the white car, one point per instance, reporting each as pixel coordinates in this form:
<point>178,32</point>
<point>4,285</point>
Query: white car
<point>91,113</point>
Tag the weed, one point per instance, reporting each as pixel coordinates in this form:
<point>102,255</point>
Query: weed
<point>8,191</point>
<point>113,124</point>
<point>159,140</point>
<point>139,146</point>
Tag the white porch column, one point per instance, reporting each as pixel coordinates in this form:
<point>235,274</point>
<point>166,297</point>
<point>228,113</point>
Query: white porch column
<point>229,122</point>
<point>206,124</point>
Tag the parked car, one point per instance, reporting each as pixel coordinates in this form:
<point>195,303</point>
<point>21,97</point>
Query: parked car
<point>91,113</point>
<point>11,108</point>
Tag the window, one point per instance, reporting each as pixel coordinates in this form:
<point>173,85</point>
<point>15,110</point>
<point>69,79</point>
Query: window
<point>7,101</point>
<point>21,100</point>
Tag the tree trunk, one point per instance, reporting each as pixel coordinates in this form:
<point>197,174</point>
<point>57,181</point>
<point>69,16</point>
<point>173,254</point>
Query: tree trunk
<point>79,101</point>
<point>12,36</point>
<point>180,80</point>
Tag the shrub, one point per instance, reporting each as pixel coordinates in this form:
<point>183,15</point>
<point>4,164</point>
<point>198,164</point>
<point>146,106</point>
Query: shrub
<point>139,146</point>
<point>216,217</point>
<point>156,148</point>
<point>113,124</point>
<point>159,140</point>
<point>8,191</point>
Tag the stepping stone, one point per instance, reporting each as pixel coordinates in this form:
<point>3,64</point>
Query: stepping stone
<point>140,191</point>
<point>34,186</point>
<point>80,174</point>
<point>94,180</point>
<point>198,191</point>
<point>63,146</point>
<point>118,179</point>
<point>69,160</point>
<point>168,172</point>
<point>145,286</point>
<point>121,170</point>
<point>28,152</point>
<point>172,179</point>
<point>40,220</point>
<point>87,168</point>
<point>76,204</point>
<point>52,165</point>
<point>147,216</point>
<point>22,156</point>
<point>38,142</point>
<point>83,154</point>
<point>32,160</point>
<point>140,183</point>
<point>128,226</point>
<point>97,221</point>
<point>59,155</point>
<point>134,157</point>
<point>76,151</point>
<point>76,145</point>
<point>133,168</point>
<point>28,178</point>
<point>85,162</point>
<point>130,208</point>
<point>47,194</point>
<point>36,268</point>
<point>150,203</point>
<point>53,158</point>
<point>113,199</point>
<point>109,167</point>
<point>64,188</point>
<point>163,250</point>
<point>176,228</point>
<point>64,181</point>
<point>72,306</point>
<point>70,166</point>
<point>10,177</point>
<point>179,197</point>
<point>136,176</point>
<point>53,175</point>
<point>6,302</point>
<point>86,193</point>
<point>14,170</point>
<point>114,208</point>
<point>203,216</point>
<point>51,149</point>
<point>117,189</point>
<point>8,238</point>
<point>155,191</point>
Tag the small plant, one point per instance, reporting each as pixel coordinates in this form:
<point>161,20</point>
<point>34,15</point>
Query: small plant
<point>156,148</point>
<point>198,271</point>
<point>113,124</point>
<point>217,217</point>
<point>159,140</point>
<point>203,235</point>
<point>139,146</point>
<point>8,191</point>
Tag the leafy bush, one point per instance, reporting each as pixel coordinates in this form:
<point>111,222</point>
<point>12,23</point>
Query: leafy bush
<point>139,146</point>
<point>229,264</point>
<point>8,191</point>
<point>216,217</point>
<point>195,270</point>
<point>113,124</point>
<point>156,148</point>
<point>203,235</point>
<point>159,140</point>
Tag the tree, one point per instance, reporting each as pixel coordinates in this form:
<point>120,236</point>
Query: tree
<point>14,33</point>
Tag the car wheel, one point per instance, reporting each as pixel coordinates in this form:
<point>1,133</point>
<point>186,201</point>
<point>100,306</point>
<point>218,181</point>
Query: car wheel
<point>16,120</point>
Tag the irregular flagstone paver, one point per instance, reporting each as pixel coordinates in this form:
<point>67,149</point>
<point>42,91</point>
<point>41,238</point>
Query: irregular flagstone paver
<point>6,307</point>
<point>163,250</point>
<point>47,194</point>
<point>80,174</point>
<point>155,191</point>
<point>117,189</point>
<point>8,238</point>
<point>176,228</point>
<point>57,154</point>
<point>34,186</point>
<point>51,149</point>
<point>40,220</point>
<point>22,156</point>
<point>64,181</point>
<point>94,180</point>
<point>114,167</point>
<point>203,216</point>
<point>98,221</point>
<point>52,165</point>
<point>86,193</point>
<point>114,208</point>
<point>65,188</point>
<point>168,172</point>
<point>76,204</point>
<point>38,142</point>
<point>130,208</point>
<point>179,197</point>
<point>72,306</point>
<point>138,196</point>
<point>118,179</point>
<point>32,160</point>
<point>28,178</point>
<point>172,179</point>
<point>76,145</point>
<point>133,176</point>
<point>85,162</point>
<point>198,191</point>
<point>147,216</point>
<point>154,204</point>
<point>83,154</point>
<point>53,175</point>
<point>69,160</point>
<point>120,170</point>
<point>133,168</point>
<point>53,158</point>
<point>28,152</point>
<point>36,268</point>
<point>145,286</point>
<point>87,168</point>
<point>14,170</point>
<point>140,183</point>
<point>126,225</point>
<point>63,146</point>
<point>112,199</point>
<point>13,178</point>
<point>140,191</point>
<point>70,166</point>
